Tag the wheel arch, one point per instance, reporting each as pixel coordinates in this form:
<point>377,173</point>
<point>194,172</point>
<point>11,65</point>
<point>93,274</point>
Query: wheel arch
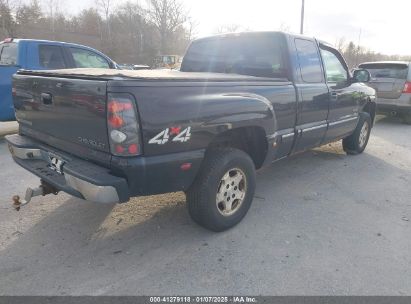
<point>370,107</point>
<point>250,139</point>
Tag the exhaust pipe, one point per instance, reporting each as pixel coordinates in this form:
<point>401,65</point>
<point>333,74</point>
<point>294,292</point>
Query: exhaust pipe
<point>43,190</point>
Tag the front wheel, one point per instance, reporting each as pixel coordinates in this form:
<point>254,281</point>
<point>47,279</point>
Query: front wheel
<point>356,142</point>
<point>224,189</point>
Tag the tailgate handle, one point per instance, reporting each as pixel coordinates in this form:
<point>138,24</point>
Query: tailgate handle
<point>46,98</point>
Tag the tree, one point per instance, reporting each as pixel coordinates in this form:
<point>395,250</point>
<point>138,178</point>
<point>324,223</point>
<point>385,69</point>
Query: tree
<point>356,54</point>
<point>231,28</point>
<point>29,14</point>
<point>89,22</point>
<point>129,20</point>
<point>105,6</point>
<point>167,16</point>
<point>228,28</point>
<point>53,7</point>
<point>340,45</point>
<point>7,23</point>
<point>191,29</point>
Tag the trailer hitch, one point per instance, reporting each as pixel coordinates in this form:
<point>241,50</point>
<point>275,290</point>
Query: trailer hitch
<point>44,189</point>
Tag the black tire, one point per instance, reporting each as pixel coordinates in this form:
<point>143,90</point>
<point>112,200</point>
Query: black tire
<point>202,195</point>
<point>406,118</point>
<point>355,143</point>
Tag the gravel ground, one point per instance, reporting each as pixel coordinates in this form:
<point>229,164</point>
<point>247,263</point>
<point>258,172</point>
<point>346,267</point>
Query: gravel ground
<point>322,223</point>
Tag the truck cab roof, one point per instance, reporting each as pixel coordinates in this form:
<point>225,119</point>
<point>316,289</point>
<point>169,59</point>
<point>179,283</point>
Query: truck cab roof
<point>51,42</point>
<point>238,34</point>
<point>385,62</point>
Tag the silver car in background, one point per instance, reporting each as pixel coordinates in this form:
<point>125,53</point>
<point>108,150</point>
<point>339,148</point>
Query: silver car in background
<point>392,81</point>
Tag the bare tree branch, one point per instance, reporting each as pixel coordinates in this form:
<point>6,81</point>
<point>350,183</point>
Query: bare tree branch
<point>167,16</point>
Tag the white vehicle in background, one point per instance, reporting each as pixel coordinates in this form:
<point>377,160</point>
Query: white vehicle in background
<point>392,81</point>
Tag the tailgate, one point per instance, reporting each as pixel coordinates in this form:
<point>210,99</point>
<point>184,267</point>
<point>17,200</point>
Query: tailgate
<point>63,110</point>
<point>389,88</point>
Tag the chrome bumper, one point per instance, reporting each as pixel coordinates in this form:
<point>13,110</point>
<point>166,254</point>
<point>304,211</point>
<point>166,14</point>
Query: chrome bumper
<point>89,191</point>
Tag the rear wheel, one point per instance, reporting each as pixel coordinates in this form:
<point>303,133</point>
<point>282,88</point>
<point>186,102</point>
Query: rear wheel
<point>223,191</point>
<point>356,142</point>
<point>406,118</point>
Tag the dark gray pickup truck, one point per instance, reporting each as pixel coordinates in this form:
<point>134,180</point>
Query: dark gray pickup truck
<point>240,102</point>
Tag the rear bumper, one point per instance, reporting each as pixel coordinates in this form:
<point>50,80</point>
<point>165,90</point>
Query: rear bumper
<point>399,105</point>
<point>78,177</point>
<point>126,177</point>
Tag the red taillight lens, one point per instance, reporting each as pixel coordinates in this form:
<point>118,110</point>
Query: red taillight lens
<point>407,87</point>
<point>119,149</point>
<point>115,121</point>
<point>133,149</point>
<point>123,125</point>
<point>115,106</point>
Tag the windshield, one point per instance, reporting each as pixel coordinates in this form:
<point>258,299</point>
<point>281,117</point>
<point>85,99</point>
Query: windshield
<point>396,71</point>
<point>8,54</point>
<point>254,55</point>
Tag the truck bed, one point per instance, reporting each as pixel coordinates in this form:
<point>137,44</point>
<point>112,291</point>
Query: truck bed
<point>147,75</point>
<point>75,119</point>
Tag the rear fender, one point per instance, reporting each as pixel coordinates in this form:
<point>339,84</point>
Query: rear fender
<point>188,120</point>
<point>243,110</point>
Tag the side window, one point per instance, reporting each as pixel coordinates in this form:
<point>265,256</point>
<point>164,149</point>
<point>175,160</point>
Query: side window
<point>51,57</point>
<point>334,68</point>
<point>87,59</point>
<point>309,60</point>
<point>8,54</point>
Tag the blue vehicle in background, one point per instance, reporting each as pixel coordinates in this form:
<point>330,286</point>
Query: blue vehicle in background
<point>32,54</point>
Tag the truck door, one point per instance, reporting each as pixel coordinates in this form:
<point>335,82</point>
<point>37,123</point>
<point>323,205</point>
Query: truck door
<point>45,56</point>
<point>343,97</point>
<point>313,96</point>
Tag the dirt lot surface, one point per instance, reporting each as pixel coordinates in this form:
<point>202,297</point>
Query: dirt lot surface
<point>322,223</point>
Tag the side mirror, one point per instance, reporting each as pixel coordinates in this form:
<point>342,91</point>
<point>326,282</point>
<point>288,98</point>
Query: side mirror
<point>361,75</point>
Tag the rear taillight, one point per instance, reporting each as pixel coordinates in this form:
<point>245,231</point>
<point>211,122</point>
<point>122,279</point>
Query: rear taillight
<point>407,87</point>
<point>123,125</point>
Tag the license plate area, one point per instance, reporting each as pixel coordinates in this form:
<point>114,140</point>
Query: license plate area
<point>55,163</point>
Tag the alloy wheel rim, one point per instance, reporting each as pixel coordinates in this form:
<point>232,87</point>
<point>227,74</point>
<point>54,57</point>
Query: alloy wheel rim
<point>363,134</point>
<point>231,192</point>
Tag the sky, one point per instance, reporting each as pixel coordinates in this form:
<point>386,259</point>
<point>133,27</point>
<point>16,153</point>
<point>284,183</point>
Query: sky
<point>381,26</point>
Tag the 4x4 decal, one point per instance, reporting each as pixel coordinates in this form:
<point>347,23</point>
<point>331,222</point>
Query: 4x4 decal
<point>165,136</point>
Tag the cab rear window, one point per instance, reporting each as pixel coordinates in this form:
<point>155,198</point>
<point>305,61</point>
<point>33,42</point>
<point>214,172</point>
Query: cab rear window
<point>253,55</point>
<point>395,71</point>
<point>8,54</point>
